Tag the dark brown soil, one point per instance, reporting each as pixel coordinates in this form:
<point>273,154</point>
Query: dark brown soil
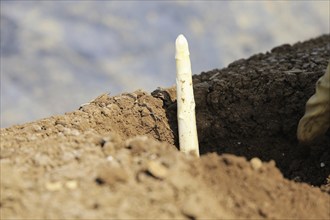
<point>117,158</point>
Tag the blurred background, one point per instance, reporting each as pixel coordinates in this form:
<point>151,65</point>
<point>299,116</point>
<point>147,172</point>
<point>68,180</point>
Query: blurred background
<point>56,55</point>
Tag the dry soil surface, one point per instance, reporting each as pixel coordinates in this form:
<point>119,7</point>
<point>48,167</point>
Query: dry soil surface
<point>117,157</point>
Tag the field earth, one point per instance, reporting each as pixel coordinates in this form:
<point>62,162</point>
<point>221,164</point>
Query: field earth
<point>116,157</point>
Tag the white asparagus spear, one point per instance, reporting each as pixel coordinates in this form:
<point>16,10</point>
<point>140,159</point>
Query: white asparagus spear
<point>188,139</point>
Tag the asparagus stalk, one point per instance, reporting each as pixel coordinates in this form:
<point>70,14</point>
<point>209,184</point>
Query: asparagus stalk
<point>188,139</point>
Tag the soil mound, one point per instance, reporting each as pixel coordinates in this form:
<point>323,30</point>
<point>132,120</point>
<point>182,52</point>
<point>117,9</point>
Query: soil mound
<point>117,157</point>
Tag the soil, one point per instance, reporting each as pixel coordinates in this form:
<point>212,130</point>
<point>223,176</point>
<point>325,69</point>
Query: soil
<point>117,157</point>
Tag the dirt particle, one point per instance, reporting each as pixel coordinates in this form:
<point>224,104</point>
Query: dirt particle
<point>297,179</point>
<point>96,206</point>
<point>53,186</point>
<point>262,213</point>
<point>109,148</point>
<point>99,181</point>
<point>156,169</point>
<point>36,128</point>
<point>111,175</point>
<point>69,132</point>
<point>60,127</point>
<point>137,145</point>
<point>72,184</point>
<point>61,122</point>
<point>256,163</point>
<point>110,158</point>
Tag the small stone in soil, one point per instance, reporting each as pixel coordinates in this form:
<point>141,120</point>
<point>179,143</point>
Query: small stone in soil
<point>53,186</point>
<point>256,163</point>
<point>156,169</point>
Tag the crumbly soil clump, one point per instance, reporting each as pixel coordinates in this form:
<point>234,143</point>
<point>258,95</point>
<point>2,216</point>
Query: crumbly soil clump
<point>117,157</point>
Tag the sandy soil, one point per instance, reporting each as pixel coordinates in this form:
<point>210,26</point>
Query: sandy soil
<point>117,157</point>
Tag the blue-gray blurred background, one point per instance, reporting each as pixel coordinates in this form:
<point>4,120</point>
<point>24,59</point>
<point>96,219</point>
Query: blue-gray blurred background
<point>56,55</point>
